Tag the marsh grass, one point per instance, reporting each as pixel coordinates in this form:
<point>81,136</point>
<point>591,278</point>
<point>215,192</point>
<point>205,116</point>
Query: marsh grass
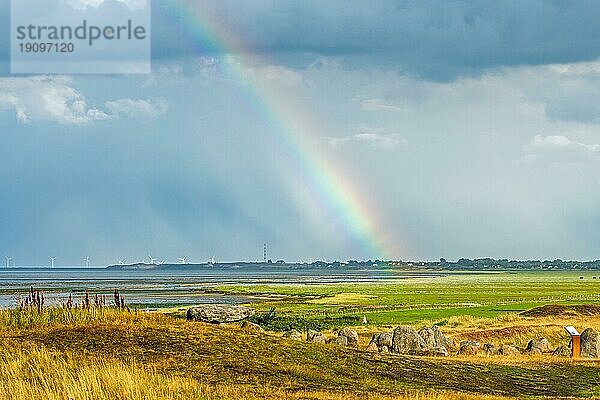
<point>22,318</point>
<point>40,374</point>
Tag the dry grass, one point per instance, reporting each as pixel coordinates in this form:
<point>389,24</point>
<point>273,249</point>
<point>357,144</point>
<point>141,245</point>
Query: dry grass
<point>40,374</point>
<point>115,354</point>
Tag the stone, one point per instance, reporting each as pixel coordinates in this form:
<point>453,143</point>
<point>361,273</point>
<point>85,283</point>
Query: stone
<point>540,343</point>
<point>490,349</point>
<point>406,340</point>
<point>507,350</point>
<point>439,351</point>
<point>534,351</point>
<point>433,338</point>
<point>251,326</point>
<point>590,343</point>
<point>428,337</point>
<point>339,341</point>
<point>372,347</point>
<point>351,336</point>
<point>562,351</point>
<point>293,334</point>
<point>469,348</point>
<point>441,340</point>
<point>219,313</point>
<point>382,339</point>
<point>315,337</point>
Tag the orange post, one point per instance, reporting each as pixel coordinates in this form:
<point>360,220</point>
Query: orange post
<point>575,341</point>
<point>576,349</point>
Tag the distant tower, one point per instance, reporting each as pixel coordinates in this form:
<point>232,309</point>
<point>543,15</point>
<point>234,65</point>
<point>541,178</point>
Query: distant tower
<point>265,253</point>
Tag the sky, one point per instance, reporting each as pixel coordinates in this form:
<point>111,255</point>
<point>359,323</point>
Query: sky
<point>328,130</point>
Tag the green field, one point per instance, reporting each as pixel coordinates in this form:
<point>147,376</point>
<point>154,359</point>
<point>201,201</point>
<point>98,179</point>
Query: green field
<point>399,301</point>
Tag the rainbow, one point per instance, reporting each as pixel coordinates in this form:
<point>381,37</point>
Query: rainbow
<point>296,128</point>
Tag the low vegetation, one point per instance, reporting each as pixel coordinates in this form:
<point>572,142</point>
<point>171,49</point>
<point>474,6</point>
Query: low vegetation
<point>94,351</point>
<point>121,354</point>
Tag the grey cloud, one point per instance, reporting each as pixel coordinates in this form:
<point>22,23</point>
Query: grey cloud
<point>438,40</point>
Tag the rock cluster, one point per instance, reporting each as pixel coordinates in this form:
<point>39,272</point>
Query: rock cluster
<point>431,342</point>
<point>406,340</point>
<point>507,350</point>
<point>315,337</point>
<point>351,336</point>
<point>219,313</point>
<point>534,347</point>
<point>538,346</point>
<point>470,347</point>
<point>344,337</point>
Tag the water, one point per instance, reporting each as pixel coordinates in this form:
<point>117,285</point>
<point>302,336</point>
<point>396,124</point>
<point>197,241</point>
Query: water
<point>176,285</point>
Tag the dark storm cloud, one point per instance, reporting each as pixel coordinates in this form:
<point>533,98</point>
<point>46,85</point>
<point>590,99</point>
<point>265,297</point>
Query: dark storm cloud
<point>438,40</point>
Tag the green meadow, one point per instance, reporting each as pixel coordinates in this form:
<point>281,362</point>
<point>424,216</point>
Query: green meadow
<point>400,301</point>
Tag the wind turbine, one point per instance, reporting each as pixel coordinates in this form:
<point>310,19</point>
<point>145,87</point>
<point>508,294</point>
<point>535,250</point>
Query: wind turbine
<point>52,259</point>
<point>87,261</point>
<point>212,261</point>
<point>122,262</point>
<point>182,260</point>
<point>152,260</point>
<point>8,260</point>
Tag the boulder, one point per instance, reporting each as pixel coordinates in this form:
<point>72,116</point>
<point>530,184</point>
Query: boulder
<point>315,337</point>
<point>433,338</point>
<point>382,339</point>
<point>562,351</point>
<point>541,343</point>
<point>251,326</point>
<point>372,347</point>
<point>507,350</point>
<point>534,351</point>
<point>351,336</point>
<point>406,340</point>
<point>293,334</point>
<point>428,337</point>
<point>490,349</point>
<point>218,313</point>
<point>339,341</point>
<point>384,350</point>
<point>439,351</point>
<point>441,340</point>
<point>469,348</point>
<point>590,343</point>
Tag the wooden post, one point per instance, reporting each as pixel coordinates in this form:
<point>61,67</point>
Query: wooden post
<point>575,341</point>
<point>576,349</point>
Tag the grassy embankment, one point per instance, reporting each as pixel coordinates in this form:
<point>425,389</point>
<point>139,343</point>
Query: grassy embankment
<point>108,354</point>
<point>102,353</point>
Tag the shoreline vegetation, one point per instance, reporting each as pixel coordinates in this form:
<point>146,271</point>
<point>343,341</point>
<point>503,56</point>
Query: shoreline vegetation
<point>95,348</point>
<point>460,265</point>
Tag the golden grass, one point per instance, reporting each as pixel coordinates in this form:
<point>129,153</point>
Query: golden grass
<point>114,354</point>
<point>23,318</point>
<point>41,374</point>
